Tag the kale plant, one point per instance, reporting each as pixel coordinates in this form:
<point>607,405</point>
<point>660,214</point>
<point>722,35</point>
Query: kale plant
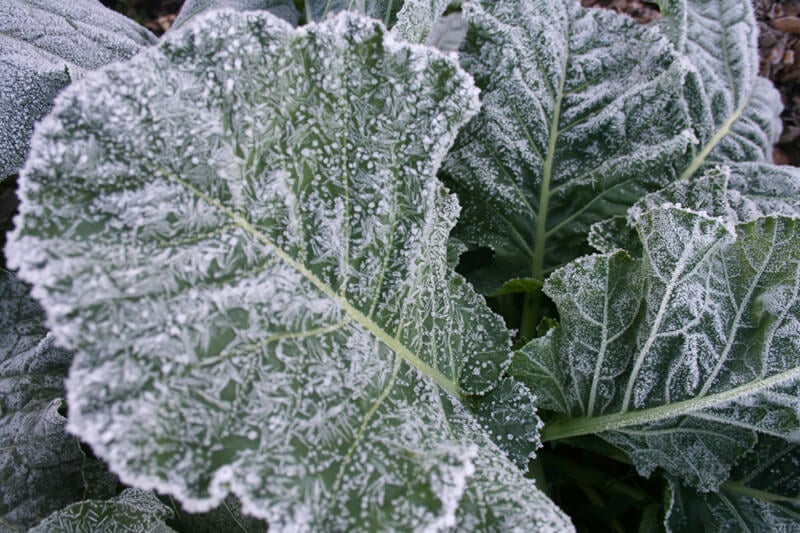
<point>315,274</point>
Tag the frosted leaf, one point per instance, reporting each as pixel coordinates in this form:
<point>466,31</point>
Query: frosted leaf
<point>680,358</point>
<point>384,10</point>
<point>250,256</point>
<point>418,18</point>
<point>282,8</point>
<point>763,494</point>
<point>448,32</point>
<point>42,468</point>
<point>740,192</point>
<point>583,112</point>
<point>740,119</point>
<point>44,44</point>
<point>133,511</point>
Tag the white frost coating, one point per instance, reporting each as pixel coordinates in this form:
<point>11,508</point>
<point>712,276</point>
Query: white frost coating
<point>251,259</point>
<point>737,112</point>
<point>770,470</point>
<point>284,9</point>
<point>42,468</point>
<point>417,19</point>
<point>583,112</point>
<point>44,44</point>
<point>683,356</point>
<point>132,511</point>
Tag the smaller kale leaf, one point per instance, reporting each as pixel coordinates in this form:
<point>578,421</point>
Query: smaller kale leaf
<point>680,357</point>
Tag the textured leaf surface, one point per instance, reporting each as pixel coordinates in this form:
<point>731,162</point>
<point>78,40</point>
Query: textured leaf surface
<point>740,120</point>
<point>282,8</point>
<point>763,494</point>
<point>681,357</point>
<point>133,511</point>
<point>44,44</point>
<point>253,236</point>
<point>583,112</point>
<point>383,10</point>
<point>42,468</point>
<point>417,19</point>
<point>739,193</point>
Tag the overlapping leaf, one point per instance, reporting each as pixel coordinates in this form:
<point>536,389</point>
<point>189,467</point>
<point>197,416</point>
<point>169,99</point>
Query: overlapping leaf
<point>583,112</point>
<point>763,494</point>
<point>44,44</point>
<point>681,357</point>
<point>42,468</point>
<point>740,119</point>
<point>133,511</point>
<point>247,244</point>
<point>191,8</point>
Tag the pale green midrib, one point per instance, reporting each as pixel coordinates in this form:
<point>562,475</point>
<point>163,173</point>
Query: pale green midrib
<point>739,488</point>
<point>362,429</point>
<point>737,319</point>
<point>359,317</point>
<point>576,427</point>
<point>700,159</point>
<point>537,266</point>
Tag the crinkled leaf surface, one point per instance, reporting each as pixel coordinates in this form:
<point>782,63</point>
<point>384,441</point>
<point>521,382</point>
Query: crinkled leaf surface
<point>44,44</point>
<point>739,193</point>
<point>133,511</point>
<point>763,494</point>
<point>740,120</point>
<point>383,10</point>
<point>282,8</point>
<point>417,20</point>
<point>583,112</point>
<point>681,357</point>
<point>42,468</point>
<point>247,245</point>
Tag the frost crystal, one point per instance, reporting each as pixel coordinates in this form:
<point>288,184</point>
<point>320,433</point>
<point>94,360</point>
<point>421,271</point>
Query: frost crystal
<point>680,358</point>
<point>45,44</point>
<point>42,468</point>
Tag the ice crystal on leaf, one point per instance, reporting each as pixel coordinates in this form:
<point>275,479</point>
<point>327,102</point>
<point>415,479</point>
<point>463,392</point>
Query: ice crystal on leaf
<point>132,511</point>
<point>247,246</point>
<point>583,112</point>
<point>682,357</point>
<point>763,494</point>
<point>42,468</point>
<point>45,44</point>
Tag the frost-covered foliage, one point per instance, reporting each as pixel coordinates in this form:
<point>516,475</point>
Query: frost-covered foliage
<point>45,44</point>
<point>42,468</point>
<point>242,235</point>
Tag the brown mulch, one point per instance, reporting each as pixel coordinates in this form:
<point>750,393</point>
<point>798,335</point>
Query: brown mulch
<point>779,47</point>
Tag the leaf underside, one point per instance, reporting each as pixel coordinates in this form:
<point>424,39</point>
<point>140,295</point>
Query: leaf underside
<point>247,245</point>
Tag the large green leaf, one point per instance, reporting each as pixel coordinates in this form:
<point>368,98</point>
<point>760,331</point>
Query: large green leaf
<point>44,44</point>
<point>132,511</point>
<point>583,112</point>
<point>763,494</point>
<point>681,357</point>
<point>247,245</point>
<point>42,468</point>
